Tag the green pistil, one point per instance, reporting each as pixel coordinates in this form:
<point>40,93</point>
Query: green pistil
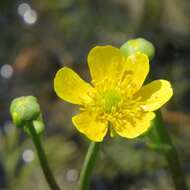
<point>111,99</point>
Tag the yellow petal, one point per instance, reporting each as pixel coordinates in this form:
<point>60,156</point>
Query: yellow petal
<point>70,87</point>
<point>87,124</point>
<point>154,94</point>
<point>136,70</point>
<point>105,61</point>
<point>135,126</point>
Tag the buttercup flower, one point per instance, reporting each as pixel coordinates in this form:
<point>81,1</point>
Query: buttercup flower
<point>116,99</point>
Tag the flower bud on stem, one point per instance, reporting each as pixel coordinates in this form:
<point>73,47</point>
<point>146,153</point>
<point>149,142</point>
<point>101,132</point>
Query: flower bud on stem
<point>26,114</point>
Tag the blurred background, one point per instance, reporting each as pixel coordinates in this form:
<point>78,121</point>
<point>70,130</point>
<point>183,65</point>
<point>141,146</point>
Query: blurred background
<point>39,37</point>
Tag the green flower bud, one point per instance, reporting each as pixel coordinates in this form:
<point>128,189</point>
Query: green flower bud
<point>23,110</point>
<point>138,45</point>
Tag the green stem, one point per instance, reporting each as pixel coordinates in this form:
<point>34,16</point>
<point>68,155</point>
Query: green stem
<point>89,162</point>
<point>170,154</point>
<point>43,160</point>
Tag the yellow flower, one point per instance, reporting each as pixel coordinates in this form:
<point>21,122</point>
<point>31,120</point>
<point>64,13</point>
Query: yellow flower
<point>116,99</point>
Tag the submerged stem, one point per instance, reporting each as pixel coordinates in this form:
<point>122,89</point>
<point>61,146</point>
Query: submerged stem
<point>87,168</point>
<point>43,160</point>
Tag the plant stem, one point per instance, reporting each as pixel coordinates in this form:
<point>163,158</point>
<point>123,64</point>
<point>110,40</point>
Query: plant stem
<point>89,162</point>
<point>171,154</point>
<point>43,160</point>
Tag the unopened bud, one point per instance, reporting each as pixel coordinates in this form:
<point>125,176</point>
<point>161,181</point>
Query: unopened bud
<point>24,109</point>
<point>138,45</point>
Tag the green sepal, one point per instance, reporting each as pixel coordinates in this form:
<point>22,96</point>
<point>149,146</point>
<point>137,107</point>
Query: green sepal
<point>38,126</point>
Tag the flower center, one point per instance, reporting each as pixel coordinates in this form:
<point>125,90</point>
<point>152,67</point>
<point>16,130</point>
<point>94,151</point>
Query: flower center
<point>111,98</point>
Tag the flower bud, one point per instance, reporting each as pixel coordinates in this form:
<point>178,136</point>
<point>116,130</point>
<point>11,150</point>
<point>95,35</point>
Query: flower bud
<point>23,110</point>
<point>138,45</point>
